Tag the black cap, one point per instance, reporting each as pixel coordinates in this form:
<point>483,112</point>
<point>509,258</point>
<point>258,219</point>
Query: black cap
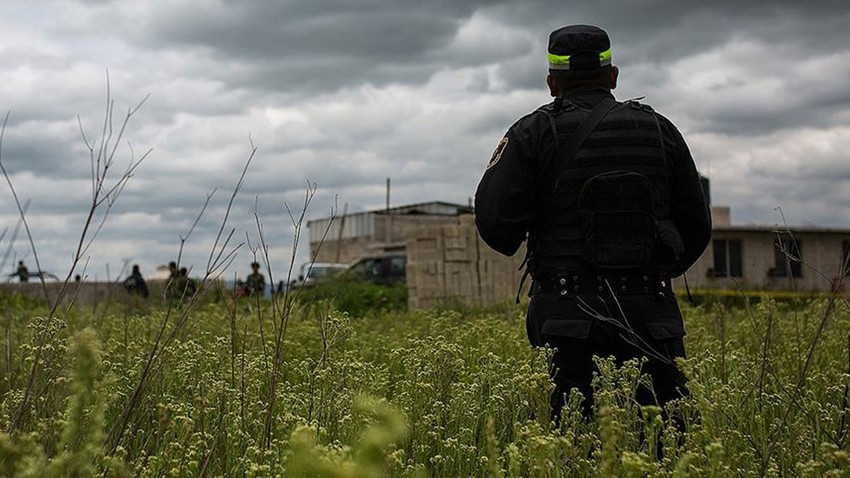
<point>579,50</point>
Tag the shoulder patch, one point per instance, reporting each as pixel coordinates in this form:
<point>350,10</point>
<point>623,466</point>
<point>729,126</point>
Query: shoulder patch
<point>497,154</point>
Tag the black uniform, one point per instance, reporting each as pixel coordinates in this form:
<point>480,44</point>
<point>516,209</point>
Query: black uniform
<point>575,294</point>
<point>135,283</point>
<point>255,284</point>
<point>22,272</point>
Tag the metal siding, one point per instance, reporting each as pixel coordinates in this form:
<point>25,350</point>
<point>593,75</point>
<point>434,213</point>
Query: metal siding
<point>362,224</point>
<point>436,208</point>
<point>356,225</point>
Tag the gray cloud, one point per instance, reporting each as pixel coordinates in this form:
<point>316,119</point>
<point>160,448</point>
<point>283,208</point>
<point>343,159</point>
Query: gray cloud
<point>345,94</point>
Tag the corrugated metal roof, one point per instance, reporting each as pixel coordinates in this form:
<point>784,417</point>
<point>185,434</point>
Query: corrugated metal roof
<point>433,207</point>
<point>362,224</point>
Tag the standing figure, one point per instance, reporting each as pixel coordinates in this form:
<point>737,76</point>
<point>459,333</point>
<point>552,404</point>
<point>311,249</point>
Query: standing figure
<point>255,284</point>
<point>22,273</point>
<point>172,288</point>
<point>135,283</point>
<point>186,285</point>
<point>610,202</point>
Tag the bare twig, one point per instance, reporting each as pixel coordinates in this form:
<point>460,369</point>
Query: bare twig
<point>284,312</point>
<point>21,214</point>
<point>221,256</point>
<point>15,232</point>
<point>842,426</point>
<point>631,337</point>
<point>103,198</point>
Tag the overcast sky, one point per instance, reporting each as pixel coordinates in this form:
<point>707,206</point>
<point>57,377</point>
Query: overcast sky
<point>345,93</point>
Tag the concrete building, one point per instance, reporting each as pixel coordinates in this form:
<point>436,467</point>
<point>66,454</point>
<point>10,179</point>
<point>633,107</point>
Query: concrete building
<point>448,262</point>
<point>348,238</point>
<point>774,258</point>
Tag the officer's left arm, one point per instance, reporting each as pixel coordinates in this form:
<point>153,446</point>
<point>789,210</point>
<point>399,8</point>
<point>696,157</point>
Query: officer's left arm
<point>689,209</point>
<point>504,200</point>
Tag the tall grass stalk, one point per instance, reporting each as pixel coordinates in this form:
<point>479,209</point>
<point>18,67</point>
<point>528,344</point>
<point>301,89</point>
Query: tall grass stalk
<point>221,256</point>
<point>103,153</point>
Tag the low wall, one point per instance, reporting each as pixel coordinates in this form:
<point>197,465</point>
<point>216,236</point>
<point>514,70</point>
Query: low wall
<point>451,264</point>
<point>83,294</point>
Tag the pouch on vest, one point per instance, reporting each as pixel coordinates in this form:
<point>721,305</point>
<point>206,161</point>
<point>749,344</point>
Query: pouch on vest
<point>617,220</point>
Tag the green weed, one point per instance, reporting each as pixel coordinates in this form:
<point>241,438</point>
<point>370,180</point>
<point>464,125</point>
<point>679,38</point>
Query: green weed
<point>416,393</point>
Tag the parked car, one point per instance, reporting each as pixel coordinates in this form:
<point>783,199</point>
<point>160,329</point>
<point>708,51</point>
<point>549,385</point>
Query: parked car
<point>313,273</point>
<point>383,269</point>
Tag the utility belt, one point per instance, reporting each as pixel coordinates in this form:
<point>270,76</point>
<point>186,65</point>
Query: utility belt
<point>625,284</point>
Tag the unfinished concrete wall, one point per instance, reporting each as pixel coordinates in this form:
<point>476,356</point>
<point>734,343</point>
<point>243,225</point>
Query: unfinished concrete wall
<point>450,263</point>
<point>343,251</point>
<point>390,234</point>
<point>82,294</point>
<point>85,294</point>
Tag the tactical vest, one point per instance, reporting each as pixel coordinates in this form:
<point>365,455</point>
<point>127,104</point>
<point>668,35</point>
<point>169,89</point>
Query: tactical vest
<point>608,208</point>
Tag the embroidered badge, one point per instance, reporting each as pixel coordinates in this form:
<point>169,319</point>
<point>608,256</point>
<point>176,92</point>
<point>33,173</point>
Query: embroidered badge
<point>497,154</point>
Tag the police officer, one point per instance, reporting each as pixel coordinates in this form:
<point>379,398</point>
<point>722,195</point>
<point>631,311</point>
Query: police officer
<point>607,195</point>
<point>135,283</point>
<point>255,283</point>
<point>22,273</point>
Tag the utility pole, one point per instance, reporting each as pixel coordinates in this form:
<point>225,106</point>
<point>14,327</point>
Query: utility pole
<point>389,220</point>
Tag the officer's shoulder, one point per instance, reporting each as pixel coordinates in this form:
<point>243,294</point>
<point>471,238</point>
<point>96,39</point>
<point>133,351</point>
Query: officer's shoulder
<point>637,104</point>
<point>531,122</point>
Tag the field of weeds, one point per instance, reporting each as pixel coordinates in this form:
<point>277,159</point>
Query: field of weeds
<point>259,388</point>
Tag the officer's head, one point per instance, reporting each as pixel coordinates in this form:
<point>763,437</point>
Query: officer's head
<point>579,55</point>
<point>255,266</point>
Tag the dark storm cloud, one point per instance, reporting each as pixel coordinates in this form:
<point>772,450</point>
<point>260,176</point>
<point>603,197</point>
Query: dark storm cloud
<point>801,49</point>
<point>65,150</point>
<point>306,45</point>
<point>657,30</point>
<point>344,94</point>
<point>323,30</point>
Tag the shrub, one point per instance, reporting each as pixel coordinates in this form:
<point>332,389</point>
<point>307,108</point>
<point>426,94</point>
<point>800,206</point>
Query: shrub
<point>356,297</point>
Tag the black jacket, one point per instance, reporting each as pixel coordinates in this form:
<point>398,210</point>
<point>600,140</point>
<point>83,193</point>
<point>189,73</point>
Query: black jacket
<point>510,192</point>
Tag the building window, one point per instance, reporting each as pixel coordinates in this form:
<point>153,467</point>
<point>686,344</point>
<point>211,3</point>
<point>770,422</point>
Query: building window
<point>845,257</point>
<point>728,260</point>
<point>788,253</point>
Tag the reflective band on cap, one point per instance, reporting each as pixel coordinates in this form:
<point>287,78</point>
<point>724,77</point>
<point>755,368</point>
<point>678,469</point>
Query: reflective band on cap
<point>562,62</point>
<point>605,58</point>
<point>559,62</point>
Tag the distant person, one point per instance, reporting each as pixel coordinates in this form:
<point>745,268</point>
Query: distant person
<point>187,286</point>
<point>171,286</point>
<point>23,274</point>
<point>77,278</point>
<point>256,281</point>
<point>135,283</point>
<point>239,290</point>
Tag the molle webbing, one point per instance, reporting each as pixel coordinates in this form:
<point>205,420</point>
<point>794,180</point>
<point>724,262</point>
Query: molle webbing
<point>627,139</point>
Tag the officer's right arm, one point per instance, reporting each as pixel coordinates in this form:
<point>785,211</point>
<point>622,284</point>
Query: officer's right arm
<point>504,201</point>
